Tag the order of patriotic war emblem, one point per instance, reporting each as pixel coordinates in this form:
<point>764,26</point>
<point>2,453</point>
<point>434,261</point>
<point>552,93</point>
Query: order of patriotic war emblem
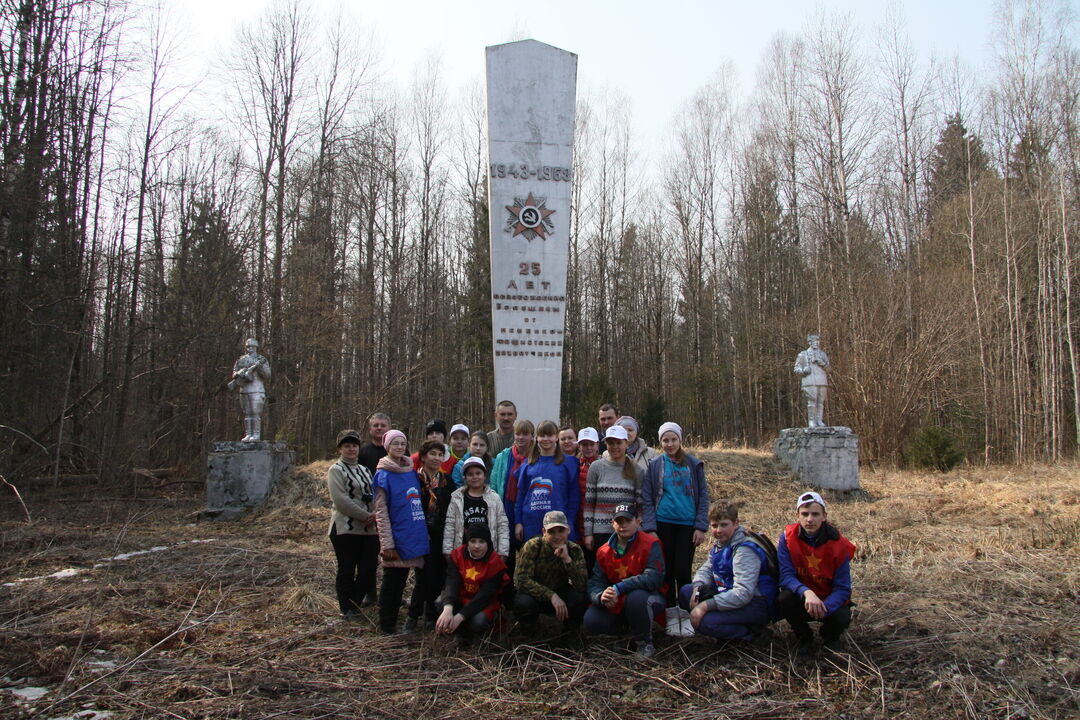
<point>530,217</point>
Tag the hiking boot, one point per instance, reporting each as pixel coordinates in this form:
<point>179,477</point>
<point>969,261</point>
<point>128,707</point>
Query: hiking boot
<point>410,625</point>
<point>763,637</point>
<point>645,648</point>
<point>805,648</point>
<point>836,644</point>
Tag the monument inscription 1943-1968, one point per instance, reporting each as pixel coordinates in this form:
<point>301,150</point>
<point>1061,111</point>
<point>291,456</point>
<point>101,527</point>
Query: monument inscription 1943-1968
<point>531,97</point>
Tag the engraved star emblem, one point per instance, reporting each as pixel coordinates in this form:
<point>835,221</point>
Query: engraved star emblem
<point>529,217</point>
<point>472,574</point>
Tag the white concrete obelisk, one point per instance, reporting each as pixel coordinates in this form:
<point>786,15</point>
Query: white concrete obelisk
<point>531,97</point>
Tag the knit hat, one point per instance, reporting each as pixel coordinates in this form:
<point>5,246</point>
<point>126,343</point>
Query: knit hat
<point>435,425</point>
<point>588,434</point>
<point>809,497</point>
<point>616,431</point>
<point>390,436</point>
<point>459,428</point>
<point>348,436</point>
<point>671,427</point>
<point>478,531</point>
<point>628,422</point>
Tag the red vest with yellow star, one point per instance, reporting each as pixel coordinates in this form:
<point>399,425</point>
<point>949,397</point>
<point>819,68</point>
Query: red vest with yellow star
<point>632,563</point>
<point>475,573</point>
<point>816,566</point>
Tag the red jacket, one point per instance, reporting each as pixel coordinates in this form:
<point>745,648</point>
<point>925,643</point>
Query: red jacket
<point>583,475</point>
<point>816,566</point>
<point>645,553</point>
<point>474,573</point>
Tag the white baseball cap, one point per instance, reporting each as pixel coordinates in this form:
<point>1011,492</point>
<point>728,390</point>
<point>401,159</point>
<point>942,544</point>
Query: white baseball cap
<point>588,434</point>
<point>458,428</point>
<point>616,431</point>
<point>809,497</point>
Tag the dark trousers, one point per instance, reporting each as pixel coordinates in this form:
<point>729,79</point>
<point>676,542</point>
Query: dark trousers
<point>793,609</point>
<point>357,561</point>
<point>678,544</point>
<point>735,624</point>
<point>428,582</point>
<point>478,624</point>
<point>527,608</point>
<point>393,587</point>
<point>598,541</point>
<point>637,615</point>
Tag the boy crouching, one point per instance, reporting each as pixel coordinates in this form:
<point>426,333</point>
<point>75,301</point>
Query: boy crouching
<point>732,591</point>
<point>815,575</point>
<point>475,576</point>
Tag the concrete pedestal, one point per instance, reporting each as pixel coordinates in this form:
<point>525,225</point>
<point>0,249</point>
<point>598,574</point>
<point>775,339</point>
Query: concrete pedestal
<point>240,475</point>
<point>826,457</point>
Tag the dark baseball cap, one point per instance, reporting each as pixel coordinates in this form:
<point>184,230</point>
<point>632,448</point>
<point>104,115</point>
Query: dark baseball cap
<point>349,435</point>
<point>626,510</point>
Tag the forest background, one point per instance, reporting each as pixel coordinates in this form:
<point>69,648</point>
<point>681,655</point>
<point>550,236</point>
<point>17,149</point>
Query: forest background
<point>921,218</point>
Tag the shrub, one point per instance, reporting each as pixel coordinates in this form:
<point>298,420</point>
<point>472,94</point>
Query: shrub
<point>932,447</point>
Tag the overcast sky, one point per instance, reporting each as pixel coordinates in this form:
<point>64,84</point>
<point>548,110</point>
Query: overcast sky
<point>656,52</point>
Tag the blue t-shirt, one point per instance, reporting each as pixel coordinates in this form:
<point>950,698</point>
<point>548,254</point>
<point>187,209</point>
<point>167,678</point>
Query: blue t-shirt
<point>677,503</point>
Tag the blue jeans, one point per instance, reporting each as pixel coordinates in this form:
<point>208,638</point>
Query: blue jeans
<point>637,615</point>
<point>736,624</point>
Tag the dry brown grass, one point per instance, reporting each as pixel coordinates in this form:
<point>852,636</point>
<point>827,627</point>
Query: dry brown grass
<point>967,585</point>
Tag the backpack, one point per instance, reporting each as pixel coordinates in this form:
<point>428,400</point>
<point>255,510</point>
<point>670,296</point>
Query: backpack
<point>769,580</point>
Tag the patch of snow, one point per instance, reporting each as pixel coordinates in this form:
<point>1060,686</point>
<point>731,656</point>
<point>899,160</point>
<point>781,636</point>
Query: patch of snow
<point>28,694</point>
<point>71,572</point>
<point>101,665</point>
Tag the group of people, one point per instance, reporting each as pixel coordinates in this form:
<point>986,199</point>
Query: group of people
<point>592,527</point>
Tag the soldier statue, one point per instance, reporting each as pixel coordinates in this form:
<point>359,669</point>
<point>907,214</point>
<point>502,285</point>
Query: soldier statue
<point>250,374</point>
<point>811,364</point>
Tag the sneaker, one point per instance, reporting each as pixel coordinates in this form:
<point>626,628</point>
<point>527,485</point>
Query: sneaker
<point>645,648</point>
<point>369,600</point>
<point>410,625</point>
<point>351,616</point>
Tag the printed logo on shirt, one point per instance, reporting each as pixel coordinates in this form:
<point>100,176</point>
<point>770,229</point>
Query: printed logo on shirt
<point>540,494</point>
<point>413,496</point>
<point>476,514</point>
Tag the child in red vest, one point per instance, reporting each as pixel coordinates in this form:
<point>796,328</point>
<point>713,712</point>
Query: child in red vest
<point>815,575</point>
<point>475,576</point>
<point>627,584</point>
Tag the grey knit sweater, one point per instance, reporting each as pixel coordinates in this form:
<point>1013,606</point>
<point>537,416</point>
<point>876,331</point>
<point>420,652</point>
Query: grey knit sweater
<point>605,487</point>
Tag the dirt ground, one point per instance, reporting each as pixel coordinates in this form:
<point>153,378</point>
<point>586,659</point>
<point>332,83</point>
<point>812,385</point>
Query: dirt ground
<point>967,583</point>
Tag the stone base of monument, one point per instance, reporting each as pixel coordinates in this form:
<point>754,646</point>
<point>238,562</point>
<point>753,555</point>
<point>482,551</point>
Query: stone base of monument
<point>240,475</point>
<point>826,457</point>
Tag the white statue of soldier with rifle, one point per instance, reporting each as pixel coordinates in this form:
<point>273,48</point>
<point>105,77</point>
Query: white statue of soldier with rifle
<point>250,373</point>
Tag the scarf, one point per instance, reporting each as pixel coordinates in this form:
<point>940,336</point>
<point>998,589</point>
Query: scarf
<point>389,465</point>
